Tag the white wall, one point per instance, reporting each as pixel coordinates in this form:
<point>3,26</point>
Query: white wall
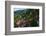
<point>2,18</point>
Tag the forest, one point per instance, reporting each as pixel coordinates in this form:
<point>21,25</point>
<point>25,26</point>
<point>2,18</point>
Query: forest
<point>26,18</point>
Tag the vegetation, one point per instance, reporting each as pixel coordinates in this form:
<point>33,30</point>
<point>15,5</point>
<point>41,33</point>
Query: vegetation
<point>26,18</point>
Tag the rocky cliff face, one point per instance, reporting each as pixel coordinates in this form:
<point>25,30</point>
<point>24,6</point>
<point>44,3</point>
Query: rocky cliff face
<point>23,22</point>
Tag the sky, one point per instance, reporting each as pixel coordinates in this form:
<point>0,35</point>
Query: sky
<point>15,9</point>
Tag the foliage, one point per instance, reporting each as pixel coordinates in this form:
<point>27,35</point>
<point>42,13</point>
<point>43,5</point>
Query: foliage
<point>27,14</point>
